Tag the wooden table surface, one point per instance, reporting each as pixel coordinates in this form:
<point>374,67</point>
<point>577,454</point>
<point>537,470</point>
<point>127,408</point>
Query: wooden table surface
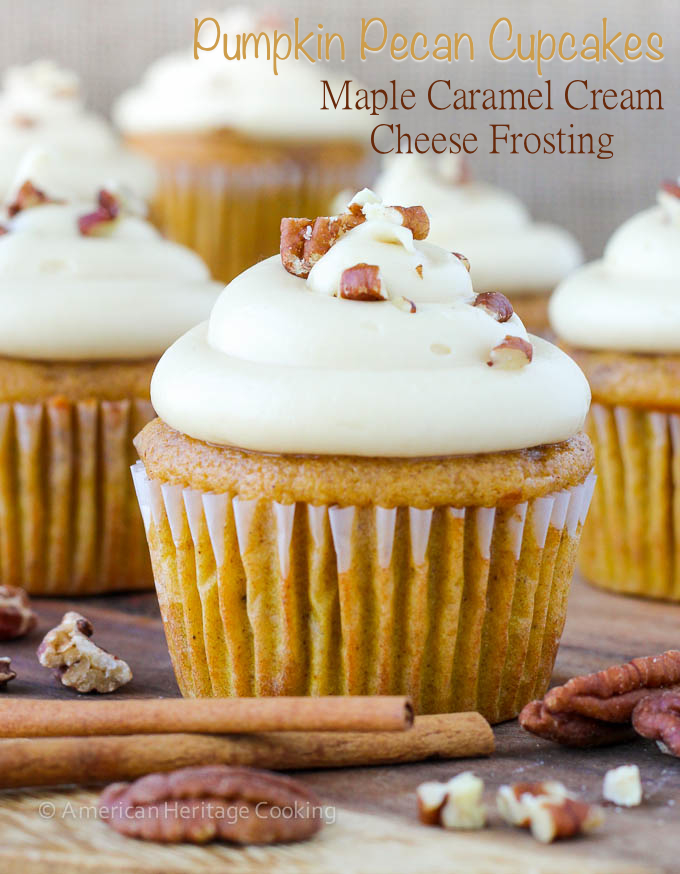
<point>375,829</point>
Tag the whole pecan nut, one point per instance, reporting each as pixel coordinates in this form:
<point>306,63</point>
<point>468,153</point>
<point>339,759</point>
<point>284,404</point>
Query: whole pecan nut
<point>571,729</point>
<point>16,616</point>
<point>198,805</point>
<point>658,718</point>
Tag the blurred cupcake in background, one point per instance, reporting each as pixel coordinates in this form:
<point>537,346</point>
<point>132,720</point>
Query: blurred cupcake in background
<point>237,147</point>
<point>619,317</point>
<point>90,297</point>
<point>41,105</point>
<point>366,479</point>
<point>509,253</point>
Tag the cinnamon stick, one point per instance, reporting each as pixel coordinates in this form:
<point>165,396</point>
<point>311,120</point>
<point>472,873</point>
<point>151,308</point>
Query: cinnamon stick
<point>35,717</point>
<point>78,760</point>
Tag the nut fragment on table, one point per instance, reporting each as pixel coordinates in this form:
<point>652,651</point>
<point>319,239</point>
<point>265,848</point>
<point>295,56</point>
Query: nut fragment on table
<point>6,672</point>
<point>511,800</point>
<point>658,718</point>
<point>552,819</point>
<point>16,616</point>
<point>453,805</point>
<point>199,805</point>
<point>81,664</point>
<point>622,786</point>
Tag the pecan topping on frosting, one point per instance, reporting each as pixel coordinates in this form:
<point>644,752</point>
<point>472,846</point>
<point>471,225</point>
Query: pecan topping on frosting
<point>304,242</point>
<point>671,187</point>
<point>99,222</point>
<point>362,282</point>
<point>463,259</point>
<point>495,304</point>
<point>511,354</point>
<point>28,196</point>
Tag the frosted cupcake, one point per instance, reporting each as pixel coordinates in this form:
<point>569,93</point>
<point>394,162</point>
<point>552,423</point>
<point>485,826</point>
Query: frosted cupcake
<point>365,478</point>
<point>91,295</point>
<point>41,105</point>
<point>238,147</point>
<point>508,252</point>
<point>620,319</point>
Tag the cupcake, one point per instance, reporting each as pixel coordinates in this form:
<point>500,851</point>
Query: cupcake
<point>619,317</point>
<point>509,253</point>
<point>41,105</point>
<point>237,147</point>
<point>91,295</point>
<point>365,479</point>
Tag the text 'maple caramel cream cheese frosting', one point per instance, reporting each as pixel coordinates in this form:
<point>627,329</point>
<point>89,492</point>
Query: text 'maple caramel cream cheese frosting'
<point>287,365</point>
<point>629,300</point>
<point>507,250</point>
<point>41,105</point>
<point>70,296</point>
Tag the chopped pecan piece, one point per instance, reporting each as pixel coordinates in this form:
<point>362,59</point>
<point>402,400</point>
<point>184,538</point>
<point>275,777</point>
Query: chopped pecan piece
<point>658,718</point>
<point>415,219</point>
<point>100,222</point>
<point>552,819</point>
<point>462,258</point>
<point>611,695</point>
<point>495,304</point>
<point>511,803</point>
<point>16,616</point>
<point>453,805</point>
<point>6,672</point>
<point>511,354</point>
<point>198,805</point>
<point>362,282</point>
<point>622,786</point>
<point>671,187</point>
<point>571,729</point>
<point>80,663</point>
<point>405,304</point>
<point>27,197</point>
<point>419,270</point>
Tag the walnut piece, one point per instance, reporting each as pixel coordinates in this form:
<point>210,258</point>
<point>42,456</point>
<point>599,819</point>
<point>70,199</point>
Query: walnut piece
<point>362,282</point>
<point>198,805</point>
<point>495,304</point>
<point>81,664</point>
<point>622,786</point>
<point>6,672</point>
<point>100,222</point>
<point>512,353</point>
<point>16,616</point>
<point>453,805</point>
<point>511,803</point>
<point>658,718</point>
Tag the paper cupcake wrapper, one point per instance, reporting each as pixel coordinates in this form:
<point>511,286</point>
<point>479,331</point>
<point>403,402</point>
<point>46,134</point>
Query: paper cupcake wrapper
<point>232,216</point>
<point>69,524</point>
<point>462,609</point>
<point>632,541</point>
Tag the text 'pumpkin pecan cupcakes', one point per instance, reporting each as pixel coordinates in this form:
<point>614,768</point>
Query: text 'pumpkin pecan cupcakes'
<point>509,252</point>
<point>619,317</point>
<point>91,295</point>
<point>365,478</point>
<point>237,146</point>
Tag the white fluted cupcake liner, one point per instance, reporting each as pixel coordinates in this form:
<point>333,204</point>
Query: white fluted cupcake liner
<point>461,608</point>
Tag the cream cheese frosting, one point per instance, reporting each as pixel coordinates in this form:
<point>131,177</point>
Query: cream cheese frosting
<point>181,94</point>
<point>287,364</point>
<point>41,104</point>
<point>629,300</point>
<point>507,251</point>
<point>126,294</point>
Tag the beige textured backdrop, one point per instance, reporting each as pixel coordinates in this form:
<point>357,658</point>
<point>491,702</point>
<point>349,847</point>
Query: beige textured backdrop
<point>110,42</point>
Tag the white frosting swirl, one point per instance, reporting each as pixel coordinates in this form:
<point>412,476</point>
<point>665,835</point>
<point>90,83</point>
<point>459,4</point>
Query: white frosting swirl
<point>40,104</point>
<point>69,297</point>
<point>630,299</point>
<point>285,365</point>
<point>492,228</point>
<point>179,93</point>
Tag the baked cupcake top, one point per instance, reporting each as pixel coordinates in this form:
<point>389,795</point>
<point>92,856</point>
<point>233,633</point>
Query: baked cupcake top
<point>41,105</point>
<point>629,300</point>
<point>365,339</point>
<point>508,251</point>
<point>90,280</point>
<point>181,94</point>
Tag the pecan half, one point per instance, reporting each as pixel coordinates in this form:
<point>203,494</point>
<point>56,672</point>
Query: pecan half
<point>100,222</point>
<point>611,694</point>
<point>362,282</point>
<point>571,729</point>
<point>80,663</point>
<point>462,258</point>
<point>16,616</point>
<point>658,718</point>
<point>511,354</point>
<point>304,242</point>
<point>495,304</point>
<point>27,197</point>
<point>198,805</point>
<point>6,672</point>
